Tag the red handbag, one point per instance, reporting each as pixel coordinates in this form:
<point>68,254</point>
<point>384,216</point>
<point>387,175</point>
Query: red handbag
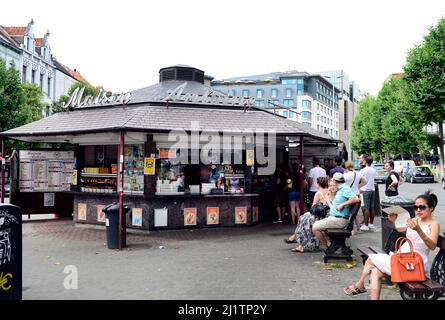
<point>407,267</point>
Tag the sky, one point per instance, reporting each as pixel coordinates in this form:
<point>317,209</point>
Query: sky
<point>121,45</point>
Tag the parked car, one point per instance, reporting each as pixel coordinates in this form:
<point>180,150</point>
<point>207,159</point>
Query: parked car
<point>419,174</point>
<point>381,173</point>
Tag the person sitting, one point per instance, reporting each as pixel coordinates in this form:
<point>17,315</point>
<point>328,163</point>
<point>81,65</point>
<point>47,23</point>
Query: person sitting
<point>423,231</point>
<point>303,236</point>
<point>339,213</point>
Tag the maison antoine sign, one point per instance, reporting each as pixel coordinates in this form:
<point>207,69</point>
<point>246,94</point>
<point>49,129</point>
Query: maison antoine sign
<point>208,97</point>
<point>77,100</point>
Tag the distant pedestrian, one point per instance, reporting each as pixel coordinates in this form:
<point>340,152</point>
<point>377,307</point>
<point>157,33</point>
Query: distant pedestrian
<point>314,174</point>
<point>355,180</point>
<point>293,195</point>
<point>368,194</point>
<point>280,202</point>
<point>392,181</point>
<point>338,168</point>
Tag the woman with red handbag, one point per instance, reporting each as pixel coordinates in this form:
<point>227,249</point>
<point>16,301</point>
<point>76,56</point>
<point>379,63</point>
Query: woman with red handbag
<point>423,233</point>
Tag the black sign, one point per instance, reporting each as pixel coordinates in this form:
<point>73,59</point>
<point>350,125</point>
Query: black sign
<point>10,252</point>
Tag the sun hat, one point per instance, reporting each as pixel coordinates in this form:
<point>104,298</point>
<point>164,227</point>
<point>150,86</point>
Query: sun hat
<point>338,176</point>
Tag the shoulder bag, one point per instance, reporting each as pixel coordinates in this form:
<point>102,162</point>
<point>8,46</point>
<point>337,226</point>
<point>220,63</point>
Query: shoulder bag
<point>406,267</point>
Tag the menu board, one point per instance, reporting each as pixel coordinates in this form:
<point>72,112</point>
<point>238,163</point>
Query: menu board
<point>43,171</point>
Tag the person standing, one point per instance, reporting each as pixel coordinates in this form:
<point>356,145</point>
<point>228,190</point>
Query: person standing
<point>368,194</point>
<point>280,194</point>
<point>338,168</point>
<point>355,180</point>
<point>294,193</point>
<point>315,173</point>
<point>392,181</point>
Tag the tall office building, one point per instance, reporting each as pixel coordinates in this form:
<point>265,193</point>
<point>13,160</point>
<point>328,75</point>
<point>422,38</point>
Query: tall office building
<point>299,96</point>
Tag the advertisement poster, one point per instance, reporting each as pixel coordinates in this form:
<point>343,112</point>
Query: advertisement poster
<point>48,199</point>
<point>190,216</point>
<point>250,157</point>
<point>255,214</point>
<point>82,211</point>
<point>149,166</point>
<point>137,217</point>
<point>240,215</point>
<point>100,213</point>
<point>212,215</point>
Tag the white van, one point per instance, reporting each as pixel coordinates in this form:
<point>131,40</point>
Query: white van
<point>402,166</point>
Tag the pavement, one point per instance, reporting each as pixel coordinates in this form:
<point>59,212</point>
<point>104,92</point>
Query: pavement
<point>242,263</point>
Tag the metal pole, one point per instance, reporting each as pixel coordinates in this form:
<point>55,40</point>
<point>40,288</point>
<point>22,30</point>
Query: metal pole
<point>302,175</point>
<point>3,171</point>
<point>121,186</point>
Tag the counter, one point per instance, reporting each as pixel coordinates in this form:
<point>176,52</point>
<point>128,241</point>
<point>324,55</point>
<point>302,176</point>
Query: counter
<point>170,211</point>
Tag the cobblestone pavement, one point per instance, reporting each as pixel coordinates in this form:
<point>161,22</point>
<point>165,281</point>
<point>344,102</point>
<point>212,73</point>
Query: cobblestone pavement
<point>229,263</point>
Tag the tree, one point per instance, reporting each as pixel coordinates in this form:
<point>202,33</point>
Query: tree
<point>12,96</point>
<point>425,81</point>
<point>366,128</point>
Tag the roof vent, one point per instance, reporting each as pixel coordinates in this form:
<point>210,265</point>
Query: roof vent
<point>181,72</point>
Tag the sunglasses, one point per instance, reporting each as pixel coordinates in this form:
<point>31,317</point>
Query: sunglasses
<point>421,207</point>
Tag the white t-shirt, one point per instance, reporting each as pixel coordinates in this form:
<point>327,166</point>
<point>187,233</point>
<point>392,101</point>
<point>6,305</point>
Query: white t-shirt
<point>314,174</point>
<point>349,178</point>
<point>369,173</point>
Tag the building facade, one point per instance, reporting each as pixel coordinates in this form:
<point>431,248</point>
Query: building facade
<point>9,50</point>
<point>298,96</point>
<point>348,102</point>
<point>32,56</point>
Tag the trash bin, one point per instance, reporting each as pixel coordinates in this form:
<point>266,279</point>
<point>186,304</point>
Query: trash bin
<point>377,210</point>
<point>112,225</point>
<point>390,235</point>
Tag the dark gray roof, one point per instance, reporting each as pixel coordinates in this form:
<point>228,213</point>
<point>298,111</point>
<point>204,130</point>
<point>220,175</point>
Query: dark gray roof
<point>160,119</point>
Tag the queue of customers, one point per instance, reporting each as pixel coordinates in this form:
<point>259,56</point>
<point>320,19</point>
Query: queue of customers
<point>288,197</point>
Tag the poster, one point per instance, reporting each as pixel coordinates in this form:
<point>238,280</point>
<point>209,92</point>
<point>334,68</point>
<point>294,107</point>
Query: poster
<point>240,215</point>
<point>82,211</point>
<point>167,153</point>
<point>190,216</point>
<point>250,157</point>
<point>100,213</point>
<point>212,215</point>
<point>48,199</point>
<point>255,214</point>
<point>137,217</point>
<point>149,166</point>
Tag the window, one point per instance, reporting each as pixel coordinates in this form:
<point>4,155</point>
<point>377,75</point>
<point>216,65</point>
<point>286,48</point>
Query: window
<point>307,104</point>
<point>259,93</point>
<point>288,93</point>
<point>24,73</point>
<point>285,113</point>
<point>41,81</point>
<point>288,102</point>
<point>306,115</point>
<point>318,117</point>
<point>232,92</point>
<point>246,93</point>
<point>33,76</point>
<point>49,86</point>
<point>346,115</point>
<point>272,102</point>
<point>273,93</point>
<point>291,115</point>
<point>299,92</point>
<point>288,81</point>
<point>260,103</point>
